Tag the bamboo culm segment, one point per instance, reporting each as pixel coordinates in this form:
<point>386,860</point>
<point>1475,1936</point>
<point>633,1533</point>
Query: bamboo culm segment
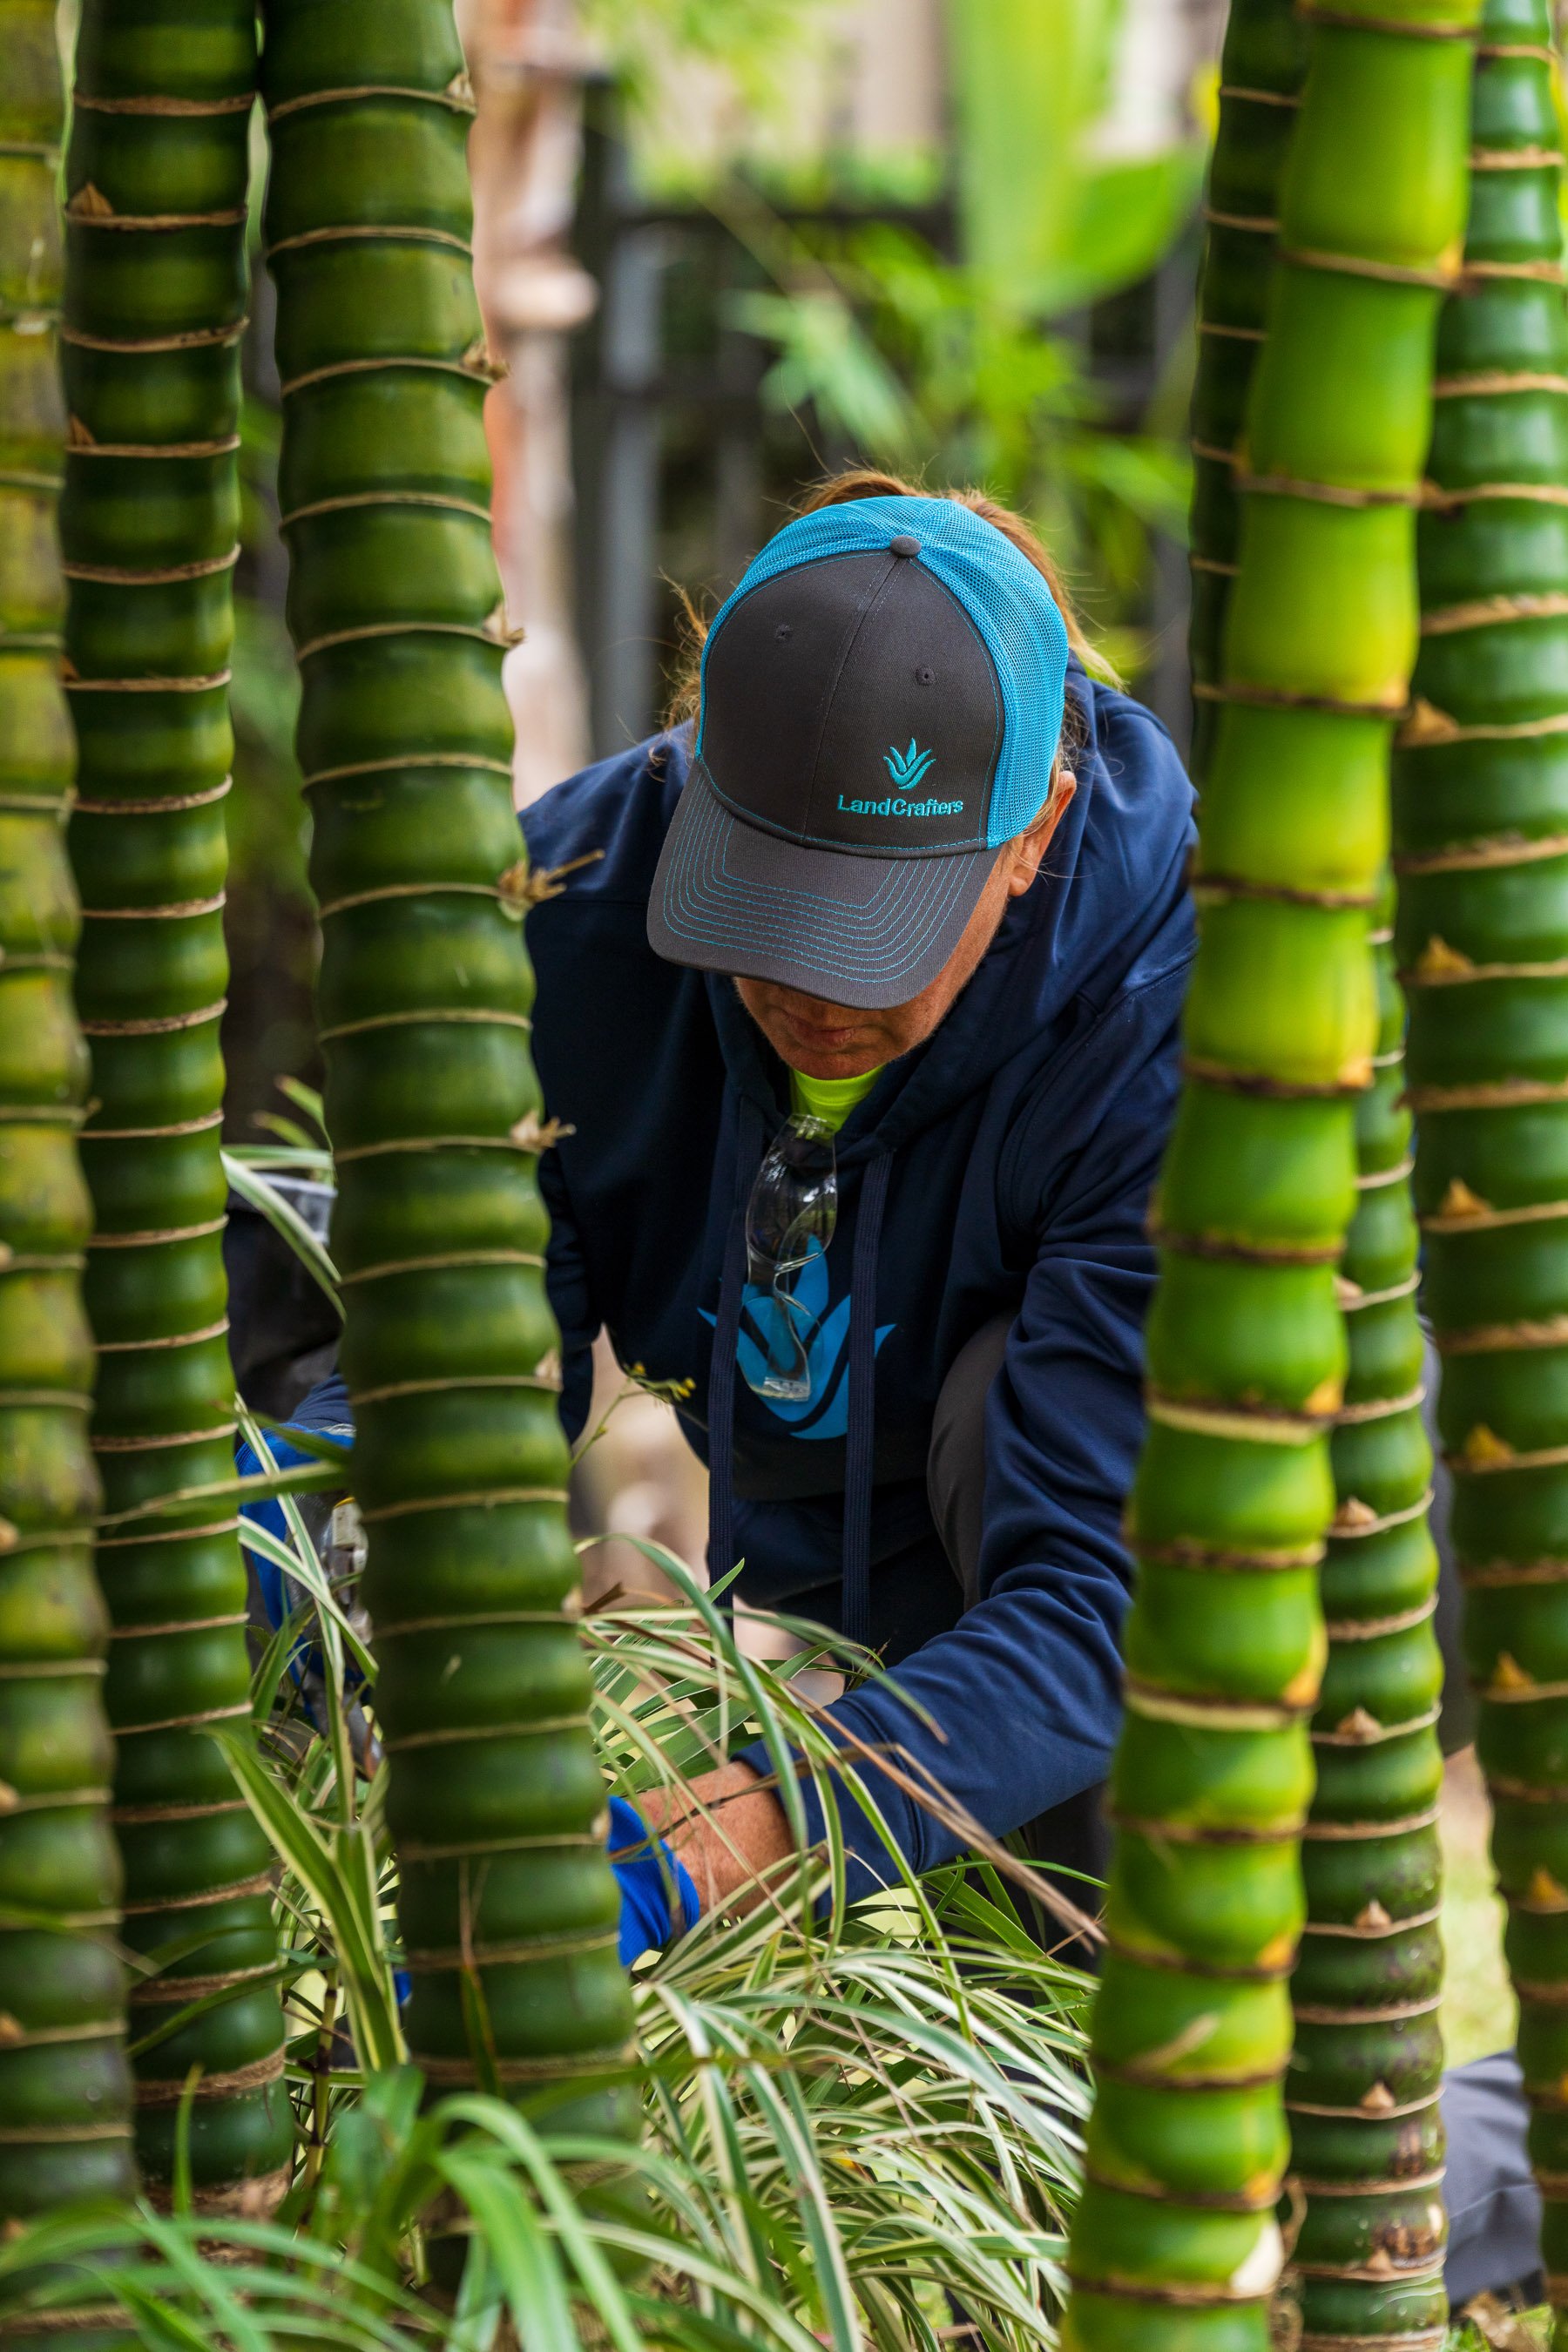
<point>1176,2242</point>
<point>155,289</point>
<point>508,1908</point>
<point>1482,840</point>
<point>64,2089</point>
<point>1264,59</point>
<point>1366,2142</point>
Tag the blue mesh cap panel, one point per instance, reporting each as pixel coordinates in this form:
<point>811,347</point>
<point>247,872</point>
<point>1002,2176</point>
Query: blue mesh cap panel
<point>1001,591</point>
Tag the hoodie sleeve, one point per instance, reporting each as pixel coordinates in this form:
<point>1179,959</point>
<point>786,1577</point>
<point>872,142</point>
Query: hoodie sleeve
<point>1017,1709</point>
<point>603,829</point>
<point>567,1281</point>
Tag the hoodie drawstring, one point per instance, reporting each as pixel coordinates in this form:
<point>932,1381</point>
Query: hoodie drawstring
<point>859,1449</point>
<point>860,1441</point>
<point>749,1141</point>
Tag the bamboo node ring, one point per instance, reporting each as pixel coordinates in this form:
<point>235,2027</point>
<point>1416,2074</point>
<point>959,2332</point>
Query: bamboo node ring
<point>480,1498</point>
<point>1331,494</point>
<point>1373,1629</point>
<point>1205,1713</point>
<point>1290,99</point>
<point>1379,1407</point>
<point>238,102</point>
<point>454,1261</point>
<point>1360,1728</point>
<point>446,1016</point>
<point>405,763</point>
<point>1352,1300</point>
<point>457,96</point>
<point>1359,265</point>
<point>359,232</point>
<point>1372,1180</point>
<point>1353,21</point>
<point>1281,697</point>
<point>216,679</point>
<point>121,576</point>
<point>1492,850</point>
<point>1266,1428</point>
<point>1232,885</point>
<point>176,803</point>
<point>182,911</point>
<point>1234,1251</point>
<point>1516,159</point>
<point>169,2094</point>
<point>160,1024</point>
<point>1505,1339</point>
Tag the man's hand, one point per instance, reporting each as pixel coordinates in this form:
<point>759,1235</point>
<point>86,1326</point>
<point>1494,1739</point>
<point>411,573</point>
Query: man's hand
<point>746,1838</point>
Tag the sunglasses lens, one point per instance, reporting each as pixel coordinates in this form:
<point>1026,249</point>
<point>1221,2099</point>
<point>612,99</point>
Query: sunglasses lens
<point>790,1219</point>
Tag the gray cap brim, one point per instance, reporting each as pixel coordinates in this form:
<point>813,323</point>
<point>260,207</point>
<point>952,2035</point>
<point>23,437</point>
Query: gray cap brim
<point>868,932</point>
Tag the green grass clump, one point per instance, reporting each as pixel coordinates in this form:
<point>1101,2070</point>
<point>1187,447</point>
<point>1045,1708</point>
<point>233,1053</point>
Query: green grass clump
<point>861,2125</point>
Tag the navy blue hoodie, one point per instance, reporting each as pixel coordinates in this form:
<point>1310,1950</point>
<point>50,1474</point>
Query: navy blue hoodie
<point>1004,1167</point>
<point>1001,1168</point>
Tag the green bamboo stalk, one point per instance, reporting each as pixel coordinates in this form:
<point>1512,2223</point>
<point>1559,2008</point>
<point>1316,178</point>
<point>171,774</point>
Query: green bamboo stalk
<point>155,289</point>
<point>1264,59</point>
<point>496,1805</point>
<point>1176,2242</point>
<point>1367,2071</point>
<point>65,2091</point>
<point>1481,832</point>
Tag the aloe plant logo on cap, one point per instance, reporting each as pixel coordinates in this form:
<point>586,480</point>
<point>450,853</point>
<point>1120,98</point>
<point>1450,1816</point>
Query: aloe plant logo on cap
<point>883,622</point>
<point>907,768</point>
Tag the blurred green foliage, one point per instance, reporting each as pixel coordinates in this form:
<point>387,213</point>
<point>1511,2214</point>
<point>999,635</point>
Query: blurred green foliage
<point>754,43</point>
<point>1050,224</point>
<point>917,365</point>
<point>974,367</point>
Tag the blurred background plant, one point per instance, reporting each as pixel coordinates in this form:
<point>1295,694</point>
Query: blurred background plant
<point>959,240</point>
<point>974,364</point>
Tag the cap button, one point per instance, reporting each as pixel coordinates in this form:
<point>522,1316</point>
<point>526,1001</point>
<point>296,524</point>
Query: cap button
<point>906,543</point>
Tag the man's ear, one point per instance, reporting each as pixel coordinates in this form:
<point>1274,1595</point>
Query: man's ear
<point>1029,848</point>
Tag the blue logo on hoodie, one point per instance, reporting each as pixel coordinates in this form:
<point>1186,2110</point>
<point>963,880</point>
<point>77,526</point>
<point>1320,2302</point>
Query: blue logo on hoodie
<point>824,1333</point>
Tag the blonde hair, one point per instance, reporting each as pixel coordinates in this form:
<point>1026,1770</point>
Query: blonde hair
<point>869,482</point>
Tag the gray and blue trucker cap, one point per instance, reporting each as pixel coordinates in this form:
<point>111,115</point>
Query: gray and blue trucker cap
<point>881,704</point>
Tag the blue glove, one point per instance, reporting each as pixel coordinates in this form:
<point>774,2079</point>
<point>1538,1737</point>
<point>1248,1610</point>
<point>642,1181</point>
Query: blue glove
<point>645,1878</point>
<point>647,1874</point>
